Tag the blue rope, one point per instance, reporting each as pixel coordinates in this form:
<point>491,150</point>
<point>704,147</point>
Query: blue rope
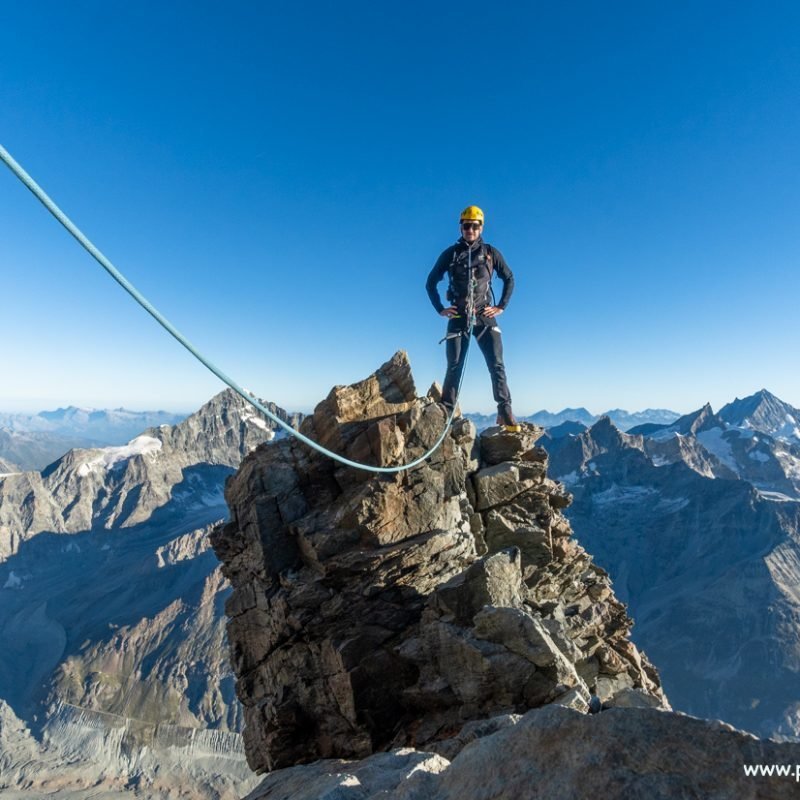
<point>104,262</point>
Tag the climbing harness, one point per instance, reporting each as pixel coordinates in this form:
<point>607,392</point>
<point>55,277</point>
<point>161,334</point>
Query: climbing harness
<point>488,258</point>
<point>104,262</point>
<point>486,254</point>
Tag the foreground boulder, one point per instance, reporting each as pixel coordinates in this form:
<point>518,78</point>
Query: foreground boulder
<point>555,752</point>
<point>373,612</point>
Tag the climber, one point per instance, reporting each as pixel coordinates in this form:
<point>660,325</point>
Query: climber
<point>470,264</point>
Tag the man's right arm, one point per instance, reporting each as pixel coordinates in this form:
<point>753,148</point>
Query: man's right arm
<point>436,274</point>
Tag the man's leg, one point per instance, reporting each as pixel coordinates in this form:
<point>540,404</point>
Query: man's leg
<point>491,344</point>
<point>455,366</point>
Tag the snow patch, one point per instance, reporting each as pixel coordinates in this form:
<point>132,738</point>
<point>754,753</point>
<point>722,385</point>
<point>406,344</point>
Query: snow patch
<point>789,431</point>
<point>663,436</point>
<point>789,464</point>
<point>660,461</point>
<point>108,457</point>
<point>624,495</point>
<point>259,423</point>
<point>776,497</point>
<point>757,455</point>
<point>714,442</point>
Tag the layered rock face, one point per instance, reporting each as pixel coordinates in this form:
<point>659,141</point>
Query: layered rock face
<point>378,611</point>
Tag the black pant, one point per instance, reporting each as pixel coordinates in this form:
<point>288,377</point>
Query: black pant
<point>491,345</point>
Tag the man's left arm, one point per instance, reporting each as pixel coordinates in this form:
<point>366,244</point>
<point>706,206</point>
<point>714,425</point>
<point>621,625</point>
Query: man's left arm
<point>504,271</point>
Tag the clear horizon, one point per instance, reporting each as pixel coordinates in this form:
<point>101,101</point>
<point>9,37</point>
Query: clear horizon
<point>309,408</point>
<point>279,181</point>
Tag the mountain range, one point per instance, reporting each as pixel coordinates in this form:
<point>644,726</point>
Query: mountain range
<point>99,424</point>
<point>698,523</point>
<point>621,418</point>
<point>111,603</point>
<point>111,612</point>
<point>32,441</point>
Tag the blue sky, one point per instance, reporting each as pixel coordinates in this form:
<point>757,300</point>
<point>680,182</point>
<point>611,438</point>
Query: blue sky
<point>278,178</point>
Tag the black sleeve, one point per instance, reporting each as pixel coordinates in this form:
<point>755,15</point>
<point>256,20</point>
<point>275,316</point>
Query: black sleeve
<point>436,274</point>
<point>503,270</point>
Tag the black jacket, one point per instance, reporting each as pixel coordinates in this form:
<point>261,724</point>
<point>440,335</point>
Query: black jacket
<point>454,262</point>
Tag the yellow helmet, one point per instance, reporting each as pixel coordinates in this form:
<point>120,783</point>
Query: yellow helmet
<point>472,212</point>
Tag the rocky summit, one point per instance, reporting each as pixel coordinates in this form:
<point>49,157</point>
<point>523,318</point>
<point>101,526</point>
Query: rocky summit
<point>412,610</point>
<point>556,753</point>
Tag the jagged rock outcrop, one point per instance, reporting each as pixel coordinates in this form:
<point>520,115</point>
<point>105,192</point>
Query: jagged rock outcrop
<point>378,611</point>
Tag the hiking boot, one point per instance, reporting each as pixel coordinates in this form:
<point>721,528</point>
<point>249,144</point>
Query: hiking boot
<point>506,418</point>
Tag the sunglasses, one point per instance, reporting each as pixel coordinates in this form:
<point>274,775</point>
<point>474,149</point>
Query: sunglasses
<point>471,226</point>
